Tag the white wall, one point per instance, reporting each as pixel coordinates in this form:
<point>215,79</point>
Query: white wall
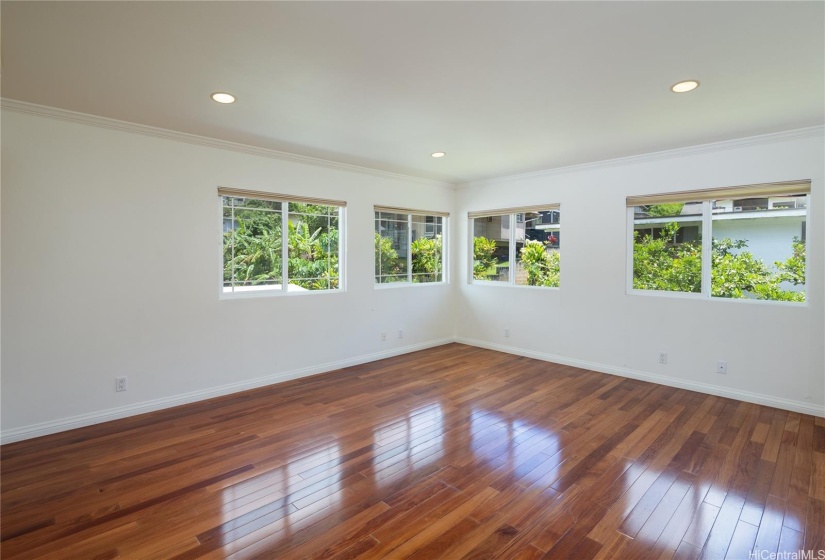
<point>111,266</point>
<point>774,351</point>
<point>111,259</point>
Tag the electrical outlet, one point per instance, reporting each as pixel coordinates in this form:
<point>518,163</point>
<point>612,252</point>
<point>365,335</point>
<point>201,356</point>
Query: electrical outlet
<point>721,367</point>
<point>662,357</point>
<point>120,384</point>
<point>506,333</point>
<point>400,333</point>
<point>383,337</point>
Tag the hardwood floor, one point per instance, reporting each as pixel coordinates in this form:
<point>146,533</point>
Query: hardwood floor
<point>452,452</point>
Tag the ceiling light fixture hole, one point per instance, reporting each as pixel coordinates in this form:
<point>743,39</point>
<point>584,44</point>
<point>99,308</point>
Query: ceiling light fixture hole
<point>223,97</point>
<point>684,86</point>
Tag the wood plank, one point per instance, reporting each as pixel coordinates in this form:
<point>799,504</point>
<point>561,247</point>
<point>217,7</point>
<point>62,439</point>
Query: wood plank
<point>453,452</point>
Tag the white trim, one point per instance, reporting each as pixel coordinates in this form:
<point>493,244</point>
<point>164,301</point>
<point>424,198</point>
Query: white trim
<point>46,428</point>
<point>707,249</point>
<point>64,424</point>
<point>114,124</point>
<point>394,285</point>
<point>771,138</point>
<point>705,388</point>
<point>124,126</point>
<point>629,228</point>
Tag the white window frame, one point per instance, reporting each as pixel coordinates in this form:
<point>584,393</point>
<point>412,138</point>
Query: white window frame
<point>513,214</point>
<point>445,220</point>
<point>285,201</point>
<point>707,198</point>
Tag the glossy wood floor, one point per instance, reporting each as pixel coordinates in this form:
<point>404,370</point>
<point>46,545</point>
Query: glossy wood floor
<point>453,452</point>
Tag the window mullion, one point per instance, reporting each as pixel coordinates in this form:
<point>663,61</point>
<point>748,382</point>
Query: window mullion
<point>329,259</point>
<point>707,247</point>
<point>443,249</point>
<point>512,252</point>
<point>409,248</point>
<point>377,226</point>
<point>284,245</point>
<point>232,223</point>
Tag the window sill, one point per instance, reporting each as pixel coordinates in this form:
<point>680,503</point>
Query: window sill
<point>393,285</point>
<point>703,297</point>
<point>274,293</point>
<point>495,284</point>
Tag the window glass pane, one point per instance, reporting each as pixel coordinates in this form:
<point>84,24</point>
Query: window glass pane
<point>391,247</point>
<point>391,216</point>
<point>759,248</point>
<point>427,249</point>
<point>312,247</point>
<point>667,247</point>
<point>251,245</point>
<point>491,248</point>
<point>538,246</point>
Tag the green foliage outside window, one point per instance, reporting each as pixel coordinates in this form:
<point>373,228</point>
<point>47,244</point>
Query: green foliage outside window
<point>542,266</point>
<point>386,258</point>
<point>660,264</point>
<point>313,256</point>
<point>252,248</point>
<point>426,254</point>
<point>426,259</point>
<point>484,260</point>
<point>660,210</point>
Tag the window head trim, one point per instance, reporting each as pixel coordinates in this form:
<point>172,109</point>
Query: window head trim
<point>398,210</point>
<point>273,197</point>
<point>516,210</point>
<point>745,191</point>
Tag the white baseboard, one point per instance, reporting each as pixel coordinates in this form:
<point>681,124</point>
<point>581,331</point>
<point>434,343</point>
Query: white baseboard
<point>756,398</point>
<point>45,428</point>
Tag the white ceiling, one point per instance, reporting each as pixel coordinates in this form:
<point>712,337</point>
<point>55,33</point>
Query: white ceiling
<point>502,87</point>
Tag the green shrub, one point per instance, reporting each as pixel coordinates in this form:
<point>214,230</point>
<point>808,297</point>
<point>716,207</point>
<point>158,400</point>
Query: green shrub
<point>426,259</point>
<point>483,259</point>
<point>542,266</point>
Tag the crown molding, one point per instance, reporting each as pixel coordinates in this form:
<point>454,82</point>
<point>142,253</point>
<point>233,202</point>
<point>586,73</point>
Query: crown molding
<point>771,138</point>
<point>145,130</point>
<point>114,124</point>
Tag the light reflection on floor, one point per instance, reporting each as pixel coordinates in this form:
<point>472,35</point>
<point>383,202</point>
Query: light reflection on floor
<point>287,486</point>
<point>498,440</point>
<point>407,443</point>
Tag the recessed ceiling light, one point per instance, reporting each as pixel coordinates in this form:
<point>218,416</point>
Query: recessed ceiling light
<point>684,87</point>
<point>222,97</point>
<point>439,154</point>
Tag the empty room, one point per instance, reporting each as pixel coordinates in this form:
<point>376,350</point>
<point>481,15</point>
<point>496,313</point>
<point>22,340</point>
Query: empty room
<point>515,280</point>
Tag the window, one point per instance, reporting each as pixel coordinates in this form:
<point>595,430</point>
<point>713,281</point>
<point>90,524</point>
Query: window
<point>526,254</point>
<point>280,243</point>
<point>409,246</point>
<point>737,243</point>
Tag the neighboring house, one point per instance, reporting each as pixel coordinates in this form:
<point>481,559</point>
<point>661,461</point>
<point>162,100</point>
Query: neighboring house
<point>545,227</point>
<point>530,225</point>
